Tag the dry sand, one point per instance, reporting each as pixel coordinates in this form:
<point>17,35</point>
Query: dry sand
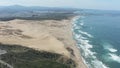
<point>47,35</point>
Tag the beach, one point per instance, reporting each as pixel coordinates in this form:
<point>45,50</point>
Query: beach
<point>45,35</point>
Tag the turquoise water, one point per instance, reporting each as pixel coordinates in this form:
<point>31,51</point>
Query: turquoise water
<point>98,37</point>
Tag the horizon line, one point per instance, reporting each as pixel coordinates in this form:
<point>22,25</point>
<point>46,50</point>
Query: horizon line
<point>60,7</point>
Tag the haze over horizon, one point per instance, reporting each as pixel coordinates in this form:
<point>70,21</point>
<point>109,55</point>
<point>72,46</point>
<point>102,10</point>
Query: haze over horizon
<point>84,4</point>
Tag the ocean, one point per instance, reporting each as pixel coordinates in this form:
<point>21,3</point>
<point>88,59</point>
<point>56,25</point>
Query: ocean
<point>98,38</point>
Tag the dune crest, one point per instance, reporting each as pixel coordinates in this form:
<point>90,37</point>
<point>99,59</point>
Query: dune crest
<point>30,34</point>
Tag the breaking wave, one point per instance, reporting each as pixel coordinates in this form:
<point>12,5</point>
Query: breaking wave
<point>109,47</point>
<point>114,57</point>
<point>111,55</point>
<point>84,45</point>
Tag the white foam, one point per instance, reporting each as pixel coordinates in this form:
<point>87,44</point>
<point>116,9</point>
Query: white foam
<point>82,24</point>
<point>77,36</point>
<point>109,47</point>
<point>76,18</point>
<point>112,50</point>
<point>99,64</point>
<point>114,57</point>
<point>89,54</point>
<point>77,27</point>
<point>85,46</point>
<point>85,33</point>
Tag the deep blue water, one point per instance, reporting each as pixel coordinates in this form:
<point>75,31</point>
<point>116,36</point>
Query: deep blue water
<point>98,37</point>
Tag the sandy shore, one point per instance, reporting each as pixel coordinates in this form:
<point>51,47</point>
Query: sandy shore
<point>47,35</point>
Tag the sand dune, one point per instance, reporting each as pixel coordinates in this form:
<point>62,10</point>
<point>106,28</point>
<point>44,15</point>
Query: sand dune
<point>47,35</point>
<point>30,34</point>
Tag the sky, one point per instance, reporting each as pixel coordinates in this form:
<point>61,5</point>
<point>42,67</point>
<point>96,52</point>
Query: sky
<point>87,4</point>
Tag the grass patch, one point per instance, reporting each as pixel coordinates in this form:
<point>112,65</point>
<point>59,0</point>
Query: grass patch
<point>23,57</point>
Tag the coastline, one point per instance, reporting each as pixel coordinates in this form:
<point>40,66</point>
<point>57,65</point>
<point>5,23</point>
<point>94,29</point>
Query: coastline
<point>57,36</point>
<point>80,60</point>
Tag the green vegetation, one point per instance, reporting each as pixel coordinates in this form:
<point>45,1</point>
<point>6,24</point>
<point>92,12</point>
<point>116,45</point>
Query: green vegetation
<point>43,16</point>
<point>3,66</point>
<point>23,57</point>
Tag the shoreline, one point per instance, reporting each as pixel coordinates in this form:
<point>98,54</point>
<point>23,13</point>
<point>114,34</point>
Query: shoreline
<point>81,61</point>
